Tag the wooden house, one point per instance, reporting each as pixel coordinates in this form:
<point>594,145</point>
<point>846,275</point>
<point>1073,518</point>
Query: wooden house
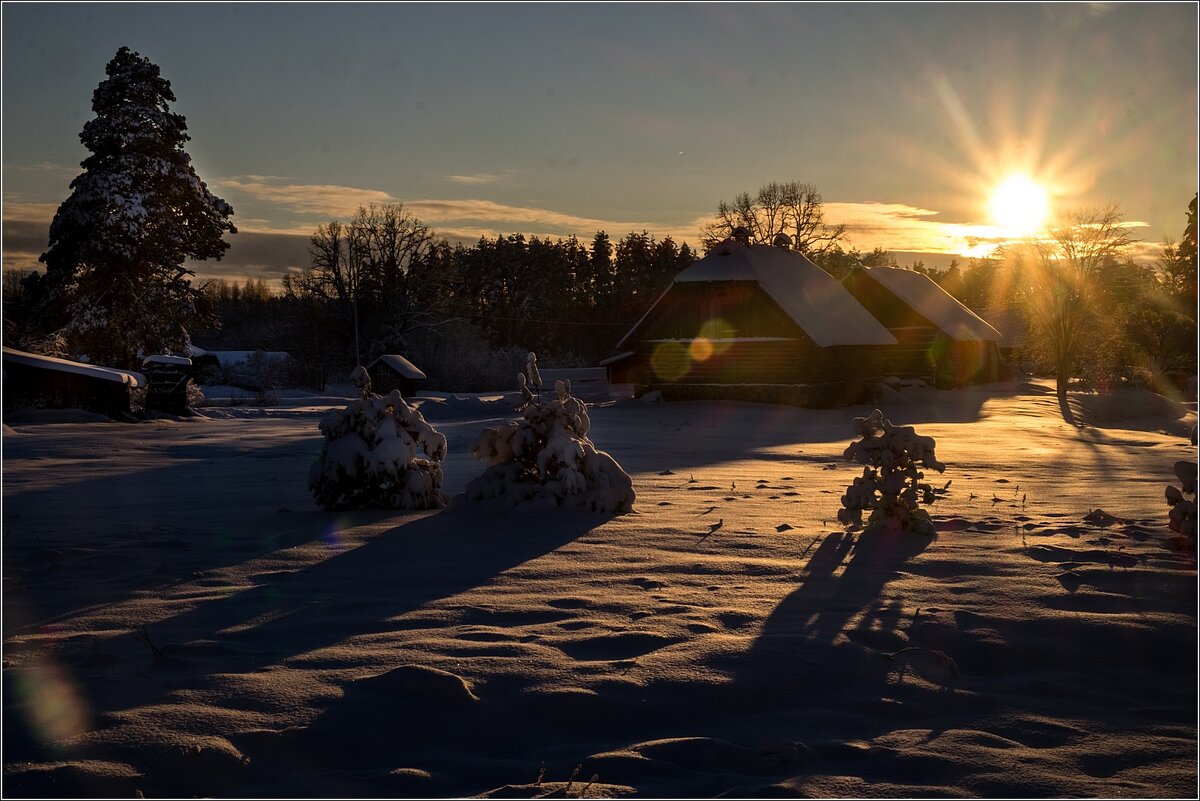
<point>393,371</point>
<point>31,379</point>
<point>754,322</point>
<point>938,338</point>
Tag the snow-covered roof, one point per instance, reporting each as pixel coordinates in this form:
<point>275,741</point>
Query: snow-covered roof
<point>400,364</point>
<point>934,304</point>
<point>162,358</point>
<point>814,299</point>
<point>617,358</point>
<point>134,380</point>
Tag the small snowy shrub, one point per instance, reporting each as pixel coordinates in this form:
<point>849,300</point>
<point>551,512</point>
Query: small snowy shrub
<point>379,452</point>
<point>545,460</point>
<point>1183,511</point>
<point>890,486</point>
<point>195,395</point>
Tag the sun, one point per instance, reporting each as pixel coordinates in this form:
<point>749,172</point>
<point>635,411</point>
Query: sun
<point>1019,205</point>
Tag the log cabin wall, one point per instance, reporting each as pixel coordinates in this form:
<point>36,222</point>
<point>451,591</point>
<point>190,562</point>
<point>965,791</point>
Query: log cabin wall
<point>920,342</point>
<point>730,339</point>
<point>25,385</point>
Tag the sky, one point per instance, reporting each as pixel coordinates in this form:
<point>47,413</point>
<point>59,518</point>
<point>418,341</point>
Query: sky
<point>557,119</point>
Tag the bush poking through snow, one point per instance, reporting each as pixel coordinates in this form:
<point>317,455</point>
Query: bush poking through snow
<point>379,452</point>
<point>545,460</point>
<point>1183,511</point>
<point>890,486</point>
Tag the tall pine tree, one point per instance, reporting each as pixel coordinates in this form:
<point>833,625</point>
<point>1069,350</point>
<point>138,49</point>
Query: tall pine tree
<point>115,285</point>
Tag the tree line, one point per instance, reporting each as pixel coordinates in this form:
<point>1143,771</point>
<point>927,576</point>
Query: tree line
<point>384,283</point>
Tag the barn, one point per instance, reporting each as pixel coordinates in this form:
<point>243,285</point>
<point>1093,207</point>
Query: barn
<point>754,322</point>
<point>392,371</point>
<point>938,337</point>
<point>31,379</point>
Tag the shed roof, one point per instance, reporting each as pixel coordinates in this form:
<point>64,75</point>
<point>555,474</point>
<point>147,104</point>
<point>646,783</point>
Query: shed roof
<point>400,364</point>
<point>164,358</point>
<point>935,304</point>
<point>815,300</point>
<point>134,380</point>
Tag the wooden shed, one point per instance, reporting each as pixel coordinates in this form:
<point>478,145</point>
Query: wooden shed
<point>392,371</point>
<point>754,322</point>
<point>168,376</point>
<point>31,379</point>
<point>938,338</point>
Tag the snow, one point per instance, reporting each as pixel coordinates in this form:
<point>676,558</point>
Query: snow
<point>165,359</point>
<point>617,358</point>
<point>935,304</point>
<point>400,364</point>
<point>129,377</point>
<point>814,299</point>
<point>729,638</point>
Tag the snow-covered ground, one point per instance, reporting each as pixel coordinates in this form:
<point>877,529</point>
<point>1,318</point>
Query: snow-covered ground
<point>180,619</point>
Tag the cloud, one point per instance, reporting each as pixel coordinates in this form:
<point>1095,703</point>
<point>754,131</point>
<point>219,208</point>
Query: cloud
<point>40,213</point>
<point>43,166</point>
<point>478,178</point>
<point>434,212</point>
<point>901,227</point>
<point>269,256</point>
<point>268,249</point>
<point>26,230</point>
<point>261,254</point>
<point>327,200</point>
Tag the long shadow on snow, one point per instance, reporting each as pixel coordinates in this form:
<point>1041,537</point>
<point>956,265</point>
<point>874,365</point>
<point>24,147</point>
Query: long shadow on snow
<point>156,527</point>
<point>359,591</point>
<point>800,680</point>
<point>799,658</point>
<point>796,674</point>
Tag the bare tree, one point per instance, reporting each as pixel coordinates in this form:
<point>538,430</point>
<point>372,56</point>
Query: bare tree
<point>791,208</point>
<point>1064,290</point>
<point>373,273</point>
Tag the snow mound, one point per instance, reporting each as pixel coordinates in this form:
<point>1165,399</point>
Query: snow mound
<point>379,452</point>
<point>546,461</point>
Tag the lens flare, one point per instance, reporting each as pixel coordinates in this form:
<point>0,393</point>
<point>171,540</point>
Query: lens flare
<point>52,704</point>
<point>333,537</point>
<point>701,349</point>
<point>670,361</point>
<point>718,333</point>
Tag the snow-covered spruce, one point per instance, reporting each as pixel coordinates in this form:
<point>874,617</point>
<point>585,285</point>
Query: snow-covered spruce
<point>890,485</point>
<point>546,461</point>
<point>379,452</point>
<point>117,280</point>
<point>1183,511</point>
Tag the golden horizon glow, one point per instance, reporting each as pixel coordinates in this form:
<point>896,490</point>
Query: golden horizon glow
<point>1019,205</point>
